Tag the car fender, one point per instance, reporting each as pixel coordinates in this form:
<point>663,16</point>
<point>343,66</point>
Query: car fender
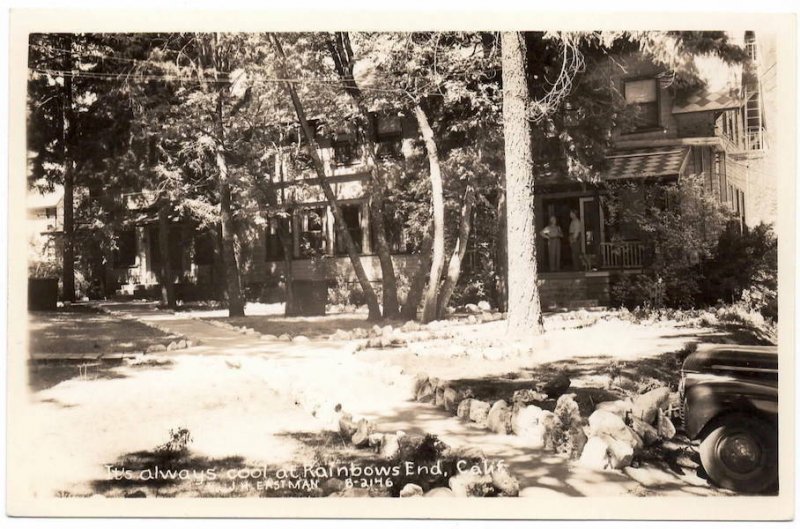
<point>708,400</point>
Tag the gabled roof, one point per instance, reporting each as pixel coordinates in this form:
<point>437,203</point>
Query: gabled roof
<point>704,100</point>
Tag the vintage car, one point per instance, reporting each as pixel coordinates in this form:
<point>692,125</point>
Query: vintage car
<point>729,396</point>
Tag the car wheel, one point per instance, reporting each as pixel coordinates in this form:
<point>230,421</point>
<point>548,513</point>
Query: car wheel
<point>741,453</point>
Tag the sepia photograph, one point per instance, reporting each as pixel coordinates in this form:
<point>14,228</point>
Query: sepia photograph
<point>537,266</point>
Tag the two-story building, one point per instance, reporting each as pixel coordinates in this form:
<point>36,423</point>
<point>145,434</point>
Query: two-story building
<point>720,133</point>
<point>713,132</point>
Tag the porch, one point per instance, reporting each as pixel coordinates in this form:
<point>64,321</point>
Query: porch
<point>572,290</point>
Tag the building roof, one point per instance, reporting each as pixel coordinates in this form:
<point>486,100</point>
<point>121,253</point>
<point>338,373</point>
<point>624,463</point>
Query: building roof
<point>630,164</point>
<point>644,163</point>
<point>39,200</point>
<point>706,100</point>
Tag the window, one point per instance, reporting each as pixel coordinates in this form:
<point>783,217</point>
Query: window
<point>312,232</point>
<point>274,247</point>
<point>346,152</point>
<point>204,249</point>
<point>642,96</point>
<point>352,220</point>
<point>125,253</point>
<point>389,131</point>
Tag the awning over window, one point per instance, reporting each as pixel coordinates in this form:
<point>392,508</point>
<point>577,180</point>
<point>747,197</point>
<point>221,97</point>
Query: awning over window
<point>643,163</point>
<point>704,100</point>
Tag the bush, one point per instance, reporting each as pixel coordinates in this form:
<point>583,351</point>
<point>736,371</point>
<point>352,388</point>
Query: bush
<point>744,269</point>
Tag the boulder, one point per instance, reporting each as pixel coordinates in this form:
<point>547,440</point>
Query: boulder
<point>472,308</point>
<point>181,344</point>
<point>425,393</point>
<point>551,423</point>
<point>499,418</point>
<point>390,446</point>
<point>388,330</point>
<point>665,428</point>
<point>347,426</point>
<point>467,484</point>
<point>450,399</point>
<point>300,339</point>
<point>478,411</point>
<point>567,409</point>
<point>646,406</point>
<point>410,326</point>
<point>472,320</point>
<point>595,453</point>
<point>158,348</point>
<point>463,410</point>
<point>648,434</point>
<point>269,337</point>
<point>364,429</point>
<point>375,330</point>
<point>440,492</point>
<point>527,396</point>
<point>617,407</point>
<point>331,485</point>
<point>284,337</point>
<point>620,453</point>
<point>504,482</point>
<point>556,386</point>
<point>606,423</point>
<point>527,423</point>
<point>411,489</point>
<point>484,306</point>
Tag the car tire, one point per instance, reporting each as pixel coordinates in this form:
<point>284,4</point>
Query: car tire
<point>741,453</point>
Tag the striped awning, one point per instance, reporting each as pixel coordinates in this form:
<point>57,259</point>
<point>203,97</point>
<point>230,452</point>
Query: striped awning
<point>704,100</point>
<point>644,163</point>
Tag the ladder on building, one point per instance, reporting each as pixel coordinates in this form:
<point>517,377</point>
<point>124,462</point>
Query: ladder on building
<point>753,111</point>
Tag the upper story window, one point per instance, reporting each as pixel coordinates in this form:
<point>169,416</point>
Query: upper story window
<point>346,152</point>
<point>389,131</point>
<point>642,96</point>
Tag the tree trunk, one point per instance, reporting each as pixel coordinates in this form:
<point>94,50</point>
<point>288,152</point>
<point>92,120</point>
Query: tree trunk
<point>167,284</point>
<point>454,267</point>
<point>67,133</point>
<point>501,249</point>
<point>430,304</point>
<point>343,59</point>
<point>341,228</point>
<point>417,287</point>
<point>233,281</point>
<point>524,310</point>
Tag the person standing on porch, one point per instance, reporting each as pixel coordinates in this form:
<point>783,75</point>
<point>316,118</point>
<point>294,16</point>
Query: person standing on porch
<point>575,233</point>
<point>553,234</point>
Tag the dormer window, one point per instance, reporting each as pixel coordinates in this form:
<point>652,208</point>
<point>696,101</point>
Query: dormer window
<point>642,96</point>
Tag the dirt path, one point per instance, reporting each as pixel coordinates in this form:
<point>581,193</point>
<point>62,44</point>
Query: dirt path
<point>241,396</point>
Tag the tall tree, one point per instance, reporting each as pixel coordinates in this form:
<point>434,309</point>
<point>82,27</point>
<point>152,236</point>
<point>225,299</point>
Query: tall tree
<point>524,307</point>
<point>344,61</point>
<point>341,226</point>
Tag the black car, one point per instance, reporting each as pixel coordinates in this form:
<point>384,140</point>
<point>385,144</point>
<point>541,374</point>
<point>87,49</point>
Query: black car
<point>730,401</point>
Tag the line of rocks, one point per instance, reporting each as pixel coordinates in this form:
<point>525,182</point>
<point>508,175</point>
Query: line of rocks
<point>613,434</point>
<point>465,472</point>
<point>177,341</point>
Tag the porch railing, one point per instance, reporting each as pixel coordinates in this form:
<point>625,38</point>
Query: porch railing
<point>629,254</point>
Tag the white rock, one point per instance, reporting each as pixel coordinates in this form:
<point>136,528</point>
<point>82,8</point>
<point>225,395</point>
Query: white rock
<point>158,348</point>
<point>617,407</point>
<point>595,453</point>
<point>484,306</point>
<point>410,490</point>
<point>472,308</point>
<point>478,410</point>
<point>300,339</point>
<point>620,453</point>
<point>526,423</point>
<point>666,430</point>
<point>269,337</point>
<point>606,423</point>
<point>646,406</point>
